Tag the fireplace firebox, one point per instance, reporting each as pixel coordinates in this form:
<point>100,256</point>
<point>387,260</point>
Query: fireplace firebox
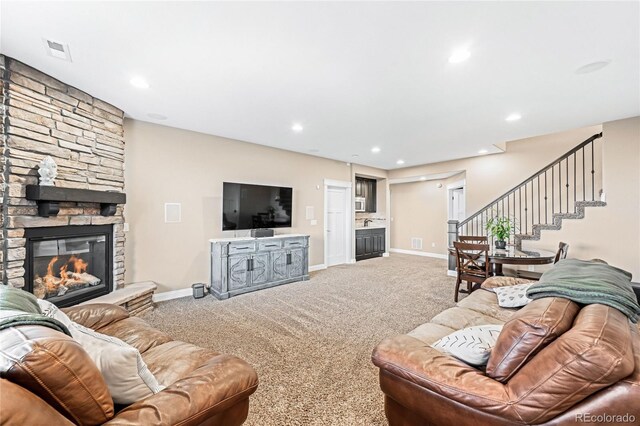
<point>67,265</point>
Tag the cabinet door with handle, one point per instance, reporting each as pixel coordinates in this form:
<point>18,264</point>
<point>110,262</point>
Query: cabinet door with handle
<point>279,266</point>
<point>296,263</point>
<point>259,264</point>
<point>239,267</point>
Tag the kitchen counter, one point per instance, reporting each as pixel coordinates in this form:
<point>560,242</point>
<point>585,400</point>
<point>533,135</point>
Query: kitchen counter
<point>371,227</point>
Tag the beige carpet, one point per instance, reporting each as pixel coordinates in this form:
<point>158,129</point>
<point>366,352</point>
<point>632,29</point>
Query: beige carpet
<point>311,342</point>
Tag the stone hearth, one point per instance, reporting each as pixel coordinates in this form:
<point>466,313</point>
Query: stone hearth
<point>42,116</point>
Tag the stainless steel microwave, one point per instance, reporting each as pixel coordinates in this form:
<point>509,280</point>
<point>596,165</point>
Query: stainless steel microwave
<point>360,204</point>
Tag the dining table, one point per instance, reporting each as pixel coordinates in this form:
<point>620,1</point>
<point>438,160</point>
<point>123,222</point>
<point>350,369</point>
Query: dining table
<point>514,256</point>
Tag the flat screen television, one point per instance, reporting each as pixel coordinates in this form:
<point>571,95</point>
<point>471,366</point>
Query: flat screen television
<point>248,206</point>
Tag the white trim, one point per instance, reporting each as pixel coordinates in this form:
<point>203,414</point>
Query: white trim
<point>455,185</point>
<point>452,273</point>
<point>419,253</point>
<point>351,262</point>
<point>348,218</point>
<point>319,267</point>
<point>385,254</point>
<point>173,294</point>
<point>424,178</point>
<point>338,183</point>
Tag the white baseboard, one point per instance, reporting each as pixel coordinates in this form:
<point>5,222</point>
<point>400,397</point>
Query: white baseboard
<point>452,273</point>
<point>320,267</point>
<point>352,262</point>
<point>173,294</point>
<point>385,254</point>
<point>419,253</point>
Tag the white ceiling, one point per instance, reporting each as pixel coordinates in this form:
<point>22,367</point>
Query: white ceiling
<point>355,75</point>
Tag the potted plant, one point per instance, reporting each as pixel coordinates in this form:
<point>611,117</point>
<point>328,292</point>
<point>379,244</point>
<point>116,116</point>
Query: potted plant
<point>500,227</point>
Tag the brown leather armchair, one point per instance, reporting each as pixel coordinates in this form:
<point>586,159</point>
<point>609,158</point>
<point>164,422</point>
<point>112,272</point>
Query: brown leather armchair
<point>554,362</point>
<point>47,378</point>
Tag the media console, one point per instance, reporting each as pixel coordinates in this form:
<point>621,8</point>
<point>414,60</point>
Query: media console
<point>241,265</point>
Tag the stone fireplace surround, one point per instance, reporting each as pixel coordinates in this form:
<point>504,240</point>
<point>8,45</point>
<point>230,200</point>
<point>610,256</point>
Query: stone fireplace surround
<point>42,116</point>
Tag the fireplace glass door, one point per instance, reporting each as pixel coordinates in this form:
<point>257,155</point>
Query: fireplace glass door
<point>70,268</point>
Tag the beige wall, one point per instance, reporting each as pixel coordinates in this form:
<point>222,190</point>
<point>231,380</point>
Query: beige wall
<point>491,175</point>
<point>419,210</point>
<point>611,233</point>
<point>165,164</point>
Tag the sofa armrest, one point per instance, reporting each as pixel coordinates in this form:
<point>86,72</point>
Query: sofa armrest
<point>218,385</point>
<point>96,315</point>
<point>423,366</point>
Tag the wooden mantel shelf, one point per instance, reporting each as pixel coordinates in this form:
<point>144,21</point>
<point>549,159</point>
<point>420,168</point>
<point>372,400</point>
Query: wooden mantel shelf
<point>49,197</point>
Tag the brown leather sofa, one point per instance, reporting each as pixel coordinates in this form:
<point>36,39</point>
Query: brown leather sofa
<point>555,363</point>
<point>47,378</point>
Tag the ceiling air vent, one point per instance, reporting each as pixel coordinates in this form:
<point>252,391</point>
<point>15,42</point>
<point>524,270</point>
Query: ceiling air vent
<point>57,49</point>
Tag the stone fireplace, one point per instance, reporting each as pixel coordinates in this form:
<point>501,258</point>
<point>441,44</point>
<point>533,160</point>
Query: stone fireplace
<point>74,251</point>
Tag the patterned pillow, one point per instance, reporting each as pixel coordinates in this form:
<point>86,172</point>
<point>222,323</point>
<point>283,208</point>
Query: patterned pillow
<point>471,345</point>
<point>514,296</point>
<point>123,369</point>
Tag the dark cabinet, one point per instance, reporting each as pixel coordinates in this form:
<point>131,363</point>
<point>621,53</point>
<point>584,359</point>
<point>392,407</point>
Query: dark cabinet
<point>369,243</point>
<point>367,188</point>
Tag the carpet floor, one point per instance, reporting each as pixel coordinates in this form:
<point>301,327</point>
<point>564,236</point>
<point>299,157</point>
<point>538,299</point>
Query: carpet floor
<point>311,342</point>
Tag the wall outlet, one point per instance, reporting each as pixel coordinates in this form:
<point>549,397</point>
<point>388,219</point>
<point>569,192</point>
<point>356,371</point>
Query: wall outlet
<point>125,227</point>
<point>314,222</point>
<point>433,244</point>
<point>531,268</point>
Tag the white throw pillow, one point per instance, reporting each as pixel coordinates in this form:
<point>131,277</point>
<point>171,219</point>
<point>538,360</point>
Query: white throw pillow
<point>472,345</point>
<point>125,372</point>
<point>513,296</point>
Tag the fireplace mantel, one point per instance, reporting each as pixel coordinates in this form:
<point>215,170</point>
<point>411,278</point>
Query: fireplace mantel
<point>49,197</point>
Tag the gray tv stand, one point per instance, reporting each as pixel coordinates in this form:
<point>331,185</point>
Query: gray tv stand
<point>242,265</point>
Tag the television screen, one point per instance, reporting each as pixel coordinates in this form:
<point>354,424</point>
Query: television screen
<point>255,206</point>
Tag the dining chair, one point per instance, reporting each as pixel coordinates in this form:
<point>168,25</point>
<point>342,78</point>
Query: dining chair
<point>472,265</point>
<point>563,249</point>
<point>475,239</point>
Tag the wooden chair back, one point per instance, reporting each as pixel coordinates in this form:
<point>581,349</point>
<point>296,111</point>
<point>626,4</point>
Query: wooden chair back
<point>472,261</point>
<point>563,249</point>
<point>476,239</point>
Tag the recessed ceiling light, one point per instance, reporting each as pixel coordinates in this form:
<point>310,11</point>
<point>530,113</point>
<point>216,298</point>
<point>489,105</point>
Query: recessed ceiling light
<point>592,67</point>
<point>297,127</point>
<point>156,116</point>
<point>355,156</point>
<point>400,162</point>
<point>459,55</point>
<point>139,83</point>
<point>513,117</point>
<point>483,151</point>
<point>375,150</point>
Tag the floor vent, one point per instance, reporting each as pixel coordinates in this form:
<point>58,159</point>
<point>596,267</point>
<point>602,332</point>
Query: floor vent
<point>416,243</point>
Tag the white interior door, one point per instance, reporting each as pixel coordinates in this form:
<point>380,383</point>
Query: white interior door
<point>336,231</point>
<point>457,204</point>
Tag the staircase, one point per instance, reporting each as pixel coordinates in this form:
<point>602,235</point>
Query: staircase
<point>560,191</point>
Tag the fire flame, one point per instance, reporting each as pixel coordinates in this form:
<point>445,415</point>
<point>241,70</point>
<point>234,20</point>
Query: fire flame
<point>53,282</point>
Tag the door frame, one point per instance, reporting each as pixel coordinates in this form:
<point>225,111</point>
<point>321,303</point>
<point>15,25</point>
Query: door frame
<point>348,218</point>
<point>449,193</point>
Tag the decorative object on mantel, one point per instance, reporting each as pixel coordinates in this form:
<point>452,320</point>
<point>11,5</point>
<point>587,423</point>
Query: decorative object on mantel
<point>500,227</point>
<point>48,170</point>
<point>49,198</point>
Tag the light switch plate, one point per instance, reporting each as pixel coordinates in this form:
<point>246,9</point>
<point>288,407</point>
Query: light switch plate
<point>310,213</point>
<point>125,227</point>
<point>314,222</point>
